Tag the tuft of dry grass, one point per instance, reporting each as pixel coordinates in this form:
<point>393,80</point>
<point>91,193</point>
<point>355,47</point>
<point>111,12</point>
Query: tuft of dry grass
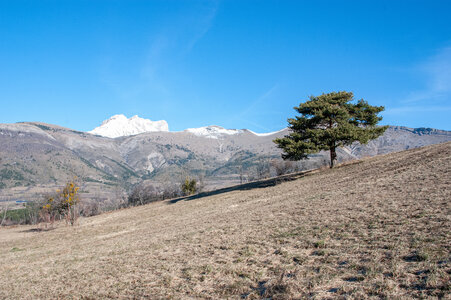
<point>377,228</point>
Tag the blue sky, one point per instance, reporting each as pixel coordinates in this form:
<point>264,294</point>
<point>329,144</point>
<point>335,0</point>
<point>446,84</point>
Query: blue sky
<point>238,64</point>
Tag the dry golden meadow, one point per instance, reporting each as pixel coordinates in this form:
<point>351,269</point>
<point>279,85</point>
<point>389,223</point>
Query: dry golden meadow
<point>376,228</point>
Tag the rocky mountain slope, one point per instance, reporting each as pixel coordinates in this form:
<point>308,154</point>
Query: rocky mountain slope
<point>35,157</point>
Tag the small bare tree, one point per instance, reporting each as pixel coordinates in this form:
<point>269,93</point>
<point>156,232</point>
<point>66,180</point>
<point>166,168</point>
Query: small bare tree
<point>138,195</point>
<point>5,210</point>
<point>200,182</point>
<point>120,196</point>
<point>262,169</point>
<point>240,170</point>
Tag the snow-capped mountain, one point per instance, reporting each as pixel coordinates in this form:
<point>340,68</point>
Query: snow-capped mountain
<point>120,125</point>
<point>266,133</point>
<point>212,131</point>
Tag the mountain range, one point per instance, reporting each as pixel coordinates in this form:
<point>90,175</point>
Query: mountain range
<point>37,157</point>
<point>119,125</point>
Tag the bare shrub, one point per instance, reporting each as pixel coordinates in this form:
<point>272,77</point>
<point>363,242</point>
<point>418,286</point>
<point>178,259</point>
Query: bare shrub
<point>89,209</point>
<point>172,190</point>
<point>282,167</point>
<point>143,194</point>
<point>262,169</point>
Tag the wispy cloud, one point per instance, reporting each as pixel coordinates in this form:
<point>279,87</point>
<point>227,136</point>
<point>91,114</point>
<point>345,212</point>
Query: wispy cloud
<point>439,70</point>
<point>251,107</point>
<point>204,24</point>
<point>172,44</point>
<point>256,125</point>
<point>436,72</point>
<point>154,73</point>
<point>243,115</point>
<point>433,98</point>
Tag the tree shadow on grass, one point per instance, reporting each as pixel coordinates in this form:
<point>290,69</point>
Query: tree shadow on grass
<point>245,187</point>
<point>38,229</point>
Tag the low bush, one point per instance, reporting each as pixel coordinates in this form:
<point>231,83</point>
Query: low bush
<point>144,193</point>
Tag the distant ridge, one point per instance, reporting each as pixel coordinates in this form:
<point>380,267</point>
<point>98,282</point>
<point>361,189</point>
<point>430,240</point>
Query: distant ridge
<point>120,126</point>
<point>36,157</point>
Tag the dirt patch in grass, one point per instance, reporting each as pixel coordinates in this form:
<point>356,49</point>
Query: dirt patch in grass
<point>379,228</point>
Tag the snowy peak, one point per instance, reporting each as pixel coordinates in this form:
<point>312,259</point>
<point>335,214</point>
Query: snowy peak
<point>120,125</point>
<point>266,133</point>
<point>218,132</point>
<point>212,131</point>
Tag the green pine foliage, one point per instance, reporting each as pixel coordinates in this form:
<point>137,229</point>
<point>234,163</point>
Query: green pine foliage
<point>189,187</point>
<point>329,121</point>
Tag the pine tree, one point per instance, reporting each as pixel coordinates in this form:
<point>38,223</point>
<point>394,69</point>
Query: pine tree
<point>189,186</point>
<point>329,121</point>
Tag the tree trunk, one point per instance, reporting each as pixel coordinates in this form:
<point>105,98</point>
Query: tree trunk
<point>333,156</point>
<point>333,153</point>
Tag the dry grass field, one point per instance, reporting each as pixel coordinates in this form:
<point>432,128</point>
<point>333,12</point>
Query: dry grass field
<point>376,228</point>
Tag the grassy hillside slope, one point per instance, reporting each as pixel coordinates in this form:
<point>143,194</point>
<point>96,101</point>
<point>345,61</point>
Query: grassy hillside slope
<point>376,228</point>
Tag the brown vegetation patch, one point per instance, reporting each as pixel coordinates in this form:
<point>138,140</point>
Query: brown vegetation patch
<point>378,228</point>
